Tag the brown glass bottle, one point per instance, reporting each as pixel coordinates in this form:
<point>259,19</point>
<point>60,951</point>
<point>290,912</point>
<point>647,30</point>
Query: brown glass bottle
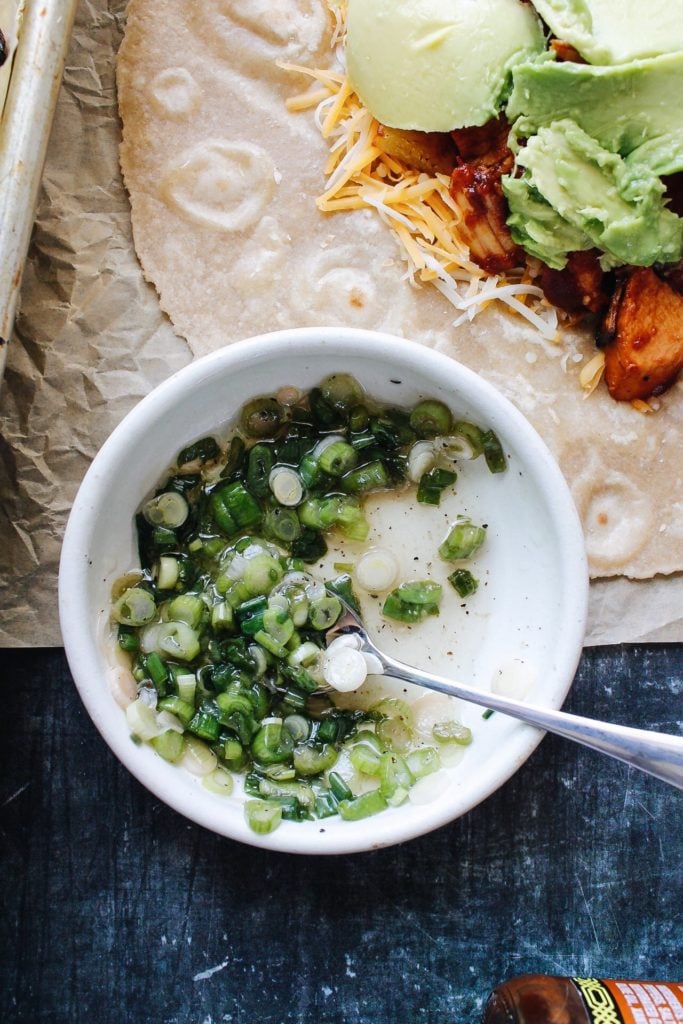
<point>544,999</point>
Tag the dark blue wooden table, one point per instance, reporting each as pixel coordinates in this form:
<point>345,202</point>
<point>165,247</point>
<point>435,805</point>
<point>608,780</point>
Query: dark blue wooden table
<point>115,910</point>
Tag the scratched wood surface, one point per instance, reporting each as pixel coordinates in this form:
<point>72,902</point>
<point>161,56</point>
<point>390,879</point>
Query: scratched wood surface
<point>115,910</point>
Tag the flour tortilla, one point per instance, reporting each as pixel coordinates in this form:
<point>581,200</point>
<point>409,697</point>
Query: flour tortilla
<point>222,181</point>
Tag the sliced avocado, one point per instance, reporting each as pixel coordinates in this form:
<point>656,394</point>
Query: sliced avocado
<point>538,228</point>
<point>436,65</point>
<point>606,32</point>
<point>633,109</point>
<point>608,203</point>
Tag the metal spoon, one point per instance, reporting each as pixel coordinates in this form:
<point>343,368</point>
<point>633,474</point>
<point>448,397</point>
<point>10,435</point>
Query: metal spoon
<point>656,753</point>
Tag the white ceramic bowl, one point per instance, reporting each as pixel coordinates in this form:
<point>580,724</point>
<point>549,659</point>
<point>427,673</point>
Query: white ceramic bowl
<point>534,602</point>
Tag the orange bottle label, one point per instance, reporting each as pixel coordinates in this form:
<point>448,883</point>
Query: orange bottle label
<point>631,1002</point>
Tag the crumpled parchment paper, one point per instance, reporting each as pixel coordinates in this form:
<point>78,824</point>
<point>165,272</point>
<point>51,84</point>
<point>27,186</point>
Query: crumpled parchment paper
<point>90,341</point>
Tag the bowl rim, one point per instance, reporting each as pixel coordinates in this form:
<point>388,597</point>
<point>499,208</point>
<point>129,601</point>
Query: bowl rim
<point>82,650</point>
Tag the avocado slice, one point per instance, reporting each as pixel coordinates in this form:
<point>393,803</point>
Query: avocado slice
<point>574,194</point>
<point>630,109</point>
<point>606,32</point>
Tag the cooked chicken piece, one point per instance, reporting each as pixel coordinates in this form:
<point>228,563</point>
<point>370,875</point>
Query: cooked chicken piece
<point>578,288</point>
<point>565,51</point>
<point>487,143</point>
<point>644,328</point>
<point>674,192</point>
<point>478,194</point>
<point>431,152</point>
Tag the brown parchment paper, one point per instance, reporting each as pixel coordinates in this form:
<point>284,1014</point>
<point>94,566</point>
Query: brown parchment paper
<point>90,341</point>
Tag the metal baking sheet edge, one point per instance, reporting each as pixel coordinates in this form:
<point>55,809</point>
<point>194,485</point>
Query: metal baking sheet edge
<point>24,132</point>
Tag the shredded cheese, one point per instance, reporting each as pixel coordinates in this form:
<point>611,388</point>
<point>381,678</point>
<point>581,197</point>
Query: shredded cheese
<point>591,374</point>
<point>417,207</point>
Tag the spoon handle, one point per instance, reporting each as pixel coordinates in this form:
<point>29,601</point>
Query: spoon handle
<point>656,753</point>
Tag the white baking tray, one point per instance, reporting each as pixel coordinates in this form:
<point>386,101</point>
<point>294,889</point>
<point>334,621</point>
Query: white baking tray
<point>35,78</point>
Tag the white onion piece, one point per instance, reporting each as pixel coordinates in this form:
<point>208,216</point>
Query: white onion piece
<point>286,485</point>
<point>344,669</point>
<point>149,637</point>
<point>315,590</point>
<point>345,640</point>
<point>197,758</point>
<point>455,447</point>
<point>373,664</point>
<point>326,442</point>
<point>376,570</point>
<point>514,678</point>
<point>123,687</point>
<point>166,720</point>
<point>431,787</point>
<point>237,567</point>
<point>142,720</point>
<point>421,458</point>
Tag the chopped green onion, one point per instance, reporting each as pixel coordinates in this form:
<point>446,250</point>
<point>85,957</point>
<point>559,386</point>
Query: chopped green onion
<point>278,625</point>
<point>169,745</point>
<point>181,707</point>
<point>206,723</point>
<point>423,761</point>
<point>452,732</point>
<point>309,760</point>
<point>128,639</point>
<point>282,524</point>
<point>394,774</point>
<point>324,612</point>
<point>338,787</point>
<point>430,418</point>
<point>463,582</point>
<point>338,458</point>
<point>168,509</point>
<point>493,452</point>
<point>365,753</point>
<point>395,727</point>
<point>362,806</point>
<point>272,744</point>
<point>135,607</point>
<point>262,816</point>
<point>286,485</point>
<point>234,458</point>
<point>218,781</point>
<point>157,671</point>
<point>235,502</point>
<point>204,450</point>
<point>342,391</point>
<point>262,573</point>
<point>462,541</point>
<point>259,465</point>
<point>178,640</point>
<point>370,477</point>
<point>412,602</point>
<point>261,417</point>
<point>420,592</point>
<point>222,617</point>
<point>187,608</point>
<point>472,435</point>
<point>433,484</point>
<point>298,726</point>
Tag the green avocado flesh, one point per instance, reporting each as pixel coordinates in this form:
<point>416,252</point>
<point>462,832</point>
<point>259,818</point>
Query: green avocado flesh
<point>611,32</point>
<point>573,195</point>
<point>632,109</point>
